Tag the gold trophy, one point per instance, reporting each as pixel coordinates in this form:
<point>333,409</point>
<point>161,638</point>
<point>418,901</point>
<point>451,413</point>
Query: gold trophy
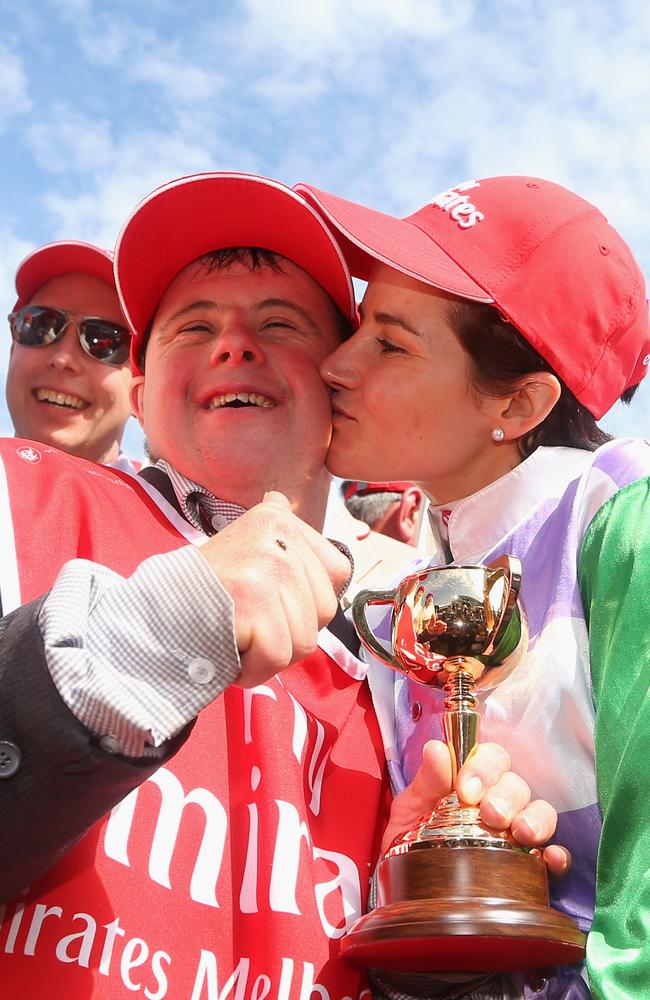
<point>453,894</point>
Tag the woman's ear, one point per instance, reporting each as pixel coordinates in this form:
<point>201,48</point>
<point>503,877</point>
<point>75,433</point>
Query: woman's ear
<point>529,404</point>
<point>136,393</point>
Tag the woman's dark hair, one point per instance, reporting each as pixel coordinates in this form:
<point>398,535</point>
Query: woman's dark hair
<point>255,259</point>
<point>501,356</point>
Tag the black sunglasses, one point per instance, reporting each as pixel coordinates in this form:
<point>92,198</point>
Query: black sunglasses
<point>37,326</point>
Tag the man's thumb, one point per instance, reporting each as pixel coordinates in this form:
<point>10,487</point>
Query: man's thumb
<point>273,496</point>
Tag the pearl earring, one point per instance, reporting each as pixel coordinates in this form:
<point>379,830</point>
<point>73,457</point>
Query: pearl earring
<point>498,434</point>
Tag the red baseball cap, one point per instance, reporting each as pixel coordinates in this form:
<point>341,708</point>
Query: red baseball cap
<point>546,258</point>
<point>363,489</point>
<point>64,257</point>
<point>189,217</point>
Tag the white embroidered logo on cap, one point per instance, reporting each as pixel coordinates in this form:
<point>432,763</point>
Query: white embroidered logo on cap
<point>30,455</point>
<point>458,205</point>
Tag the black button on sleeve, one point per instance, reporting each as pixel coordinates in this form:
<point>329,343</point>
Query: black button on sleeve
<point>10,759</point>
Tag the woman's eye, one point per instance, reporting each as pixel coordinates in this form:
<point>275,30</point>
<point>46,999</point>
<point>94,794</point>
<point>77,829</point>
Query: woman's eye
<point>388,348</point>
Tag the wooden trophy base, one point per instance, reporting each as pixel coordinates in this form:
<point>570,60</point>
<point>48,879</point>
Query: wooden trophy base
<point>461,908</point>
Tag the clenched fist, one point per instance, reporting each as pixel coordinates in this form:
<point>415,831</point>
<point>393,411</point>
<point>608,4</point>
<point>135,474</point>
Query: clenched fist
<point>283,578</point>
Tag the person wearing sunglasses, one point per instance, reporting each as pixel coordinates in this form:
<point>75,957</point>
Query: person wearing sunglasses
<point>68,377</point>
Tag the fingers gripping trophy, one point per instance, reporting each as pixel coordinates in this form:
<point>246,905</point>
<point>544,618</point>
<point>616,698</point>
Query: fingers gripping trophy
<point>453,894</point>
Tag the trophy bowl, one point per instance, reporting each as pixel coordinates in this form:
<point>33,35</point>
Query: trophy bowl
<point>452,893</point>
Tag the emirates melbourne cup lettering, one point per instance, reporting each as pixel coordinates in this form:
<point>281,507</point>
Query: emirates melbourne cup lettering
<point>138,966</point>
<point>286,828</point>
<point>142,970</point>
<point>458,205</point>
<point>206,985</point>
<point>300,730</point>
<point>255,849</point>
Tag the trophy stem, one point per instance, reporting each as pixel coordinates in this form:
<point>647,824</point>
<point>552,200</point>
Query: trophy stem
<point>461,720</point>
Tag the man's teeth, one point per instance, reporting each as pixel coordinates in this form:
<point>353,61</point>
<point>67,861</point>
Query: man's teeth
<point>246,398</point>
<point>60,398</point>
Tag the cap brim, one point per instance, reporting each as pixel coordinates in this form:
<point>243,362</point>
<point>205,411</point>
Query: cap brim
<point>55,259</point>
<point>367,236</point>
<point>194,215</point>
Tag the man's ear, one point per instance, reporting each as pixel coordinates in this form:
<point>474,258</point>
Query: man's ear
<point>136,393</point>
<point>408,514</point>
<point>528,405</point>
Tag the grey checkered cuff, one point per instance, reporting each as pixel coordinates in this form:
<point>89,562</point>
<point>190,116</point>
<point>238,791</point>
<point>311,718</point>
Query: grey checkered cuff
<point>136,659</point>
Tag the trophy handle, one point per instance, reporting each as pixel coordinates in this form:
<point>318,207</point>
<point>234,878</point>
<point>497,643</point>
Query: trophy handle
<point>359,605</point>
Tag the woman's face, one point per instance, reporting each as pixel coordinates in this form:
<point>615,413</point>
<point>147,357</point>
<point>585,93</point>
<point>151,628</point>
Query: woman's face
<point>403,405</point>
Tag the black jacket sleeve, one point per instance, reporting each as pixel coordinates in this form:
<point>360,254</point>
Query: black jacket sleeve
<point>55,780</point>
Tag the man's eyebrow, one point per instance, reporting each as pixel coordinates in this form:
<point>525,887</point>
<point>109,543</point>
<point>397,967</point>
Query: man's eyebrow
<point>392,319</point>
<point>212,305</point>
<point>286,304</point>
<point>191,307</point>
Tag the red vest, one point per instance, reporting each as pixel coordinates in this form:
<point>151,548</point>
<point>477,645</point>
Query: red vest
<point>232,872</point>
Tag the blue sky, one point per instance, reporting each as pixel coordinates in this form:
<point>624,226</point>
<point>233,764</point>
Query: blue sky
<point>383,101</point>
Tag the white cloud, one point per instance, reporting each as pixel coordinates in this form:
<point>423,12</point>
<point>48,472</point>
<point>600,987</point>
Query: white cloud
<point>120,39</point>
<point>387,102</point>
<point>555,92</point>
<point>14,248</point>
<point>14,95</point>
<point>103,37</point>
<point>134,165</point>
<point>71,142</point>
<point>76,9</point>
<point>178,79</point>
<point>346,29</point>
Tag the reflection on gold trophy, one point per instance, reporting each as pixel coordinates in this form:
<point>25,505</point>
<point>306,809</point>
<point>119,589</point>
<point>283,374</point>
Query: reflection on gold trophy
<point>453,894</point>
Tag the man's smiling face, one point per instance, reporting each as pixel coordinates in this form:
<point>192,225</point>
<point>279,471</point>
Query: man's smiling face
<point>59,395</point>
<point>232,396</point>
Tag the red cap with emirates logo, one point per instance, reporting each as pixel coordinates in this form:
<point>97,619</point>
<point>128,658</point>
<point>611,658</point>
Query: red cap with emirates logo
<point>546,258</point>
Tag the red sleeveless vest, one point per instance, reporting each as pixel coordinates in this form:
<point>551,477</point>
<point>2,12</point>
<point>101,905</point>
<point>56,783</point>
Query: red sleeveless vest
<point>234,870</point>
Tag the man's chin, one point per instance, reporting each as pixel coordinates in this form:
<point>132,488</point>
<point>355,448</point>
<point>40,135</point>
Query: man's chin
<point>54,438</point>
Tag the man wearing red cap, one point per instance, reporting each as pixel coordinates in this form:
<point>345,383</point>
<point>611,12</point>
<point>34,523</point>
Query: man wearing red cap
<point>393,509</point>
<point>241,862</point>
<point>68,379</point>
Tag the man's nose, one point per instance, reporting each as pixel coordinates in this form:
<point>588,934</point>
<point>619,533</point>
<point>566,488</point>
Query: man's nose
<point>66,353</point>
<point>237,342</point>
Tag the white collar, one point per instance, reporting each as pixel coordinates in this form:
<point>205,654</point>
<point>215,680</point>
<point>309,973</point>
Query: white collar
<point>479,522</point>
<point>190,494</point>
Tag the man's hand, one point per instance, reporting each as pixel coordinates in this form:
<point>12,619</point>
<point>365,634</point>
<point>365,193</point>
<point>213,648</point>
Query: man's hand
<point>486,778</point>
<point>283,578</point>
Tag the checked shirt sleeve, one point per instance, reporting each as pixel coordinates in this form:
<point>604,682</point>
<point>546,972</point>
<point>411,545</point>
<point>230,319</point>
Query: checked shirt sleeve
<point>136,659</point>
<point>614,578</point>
